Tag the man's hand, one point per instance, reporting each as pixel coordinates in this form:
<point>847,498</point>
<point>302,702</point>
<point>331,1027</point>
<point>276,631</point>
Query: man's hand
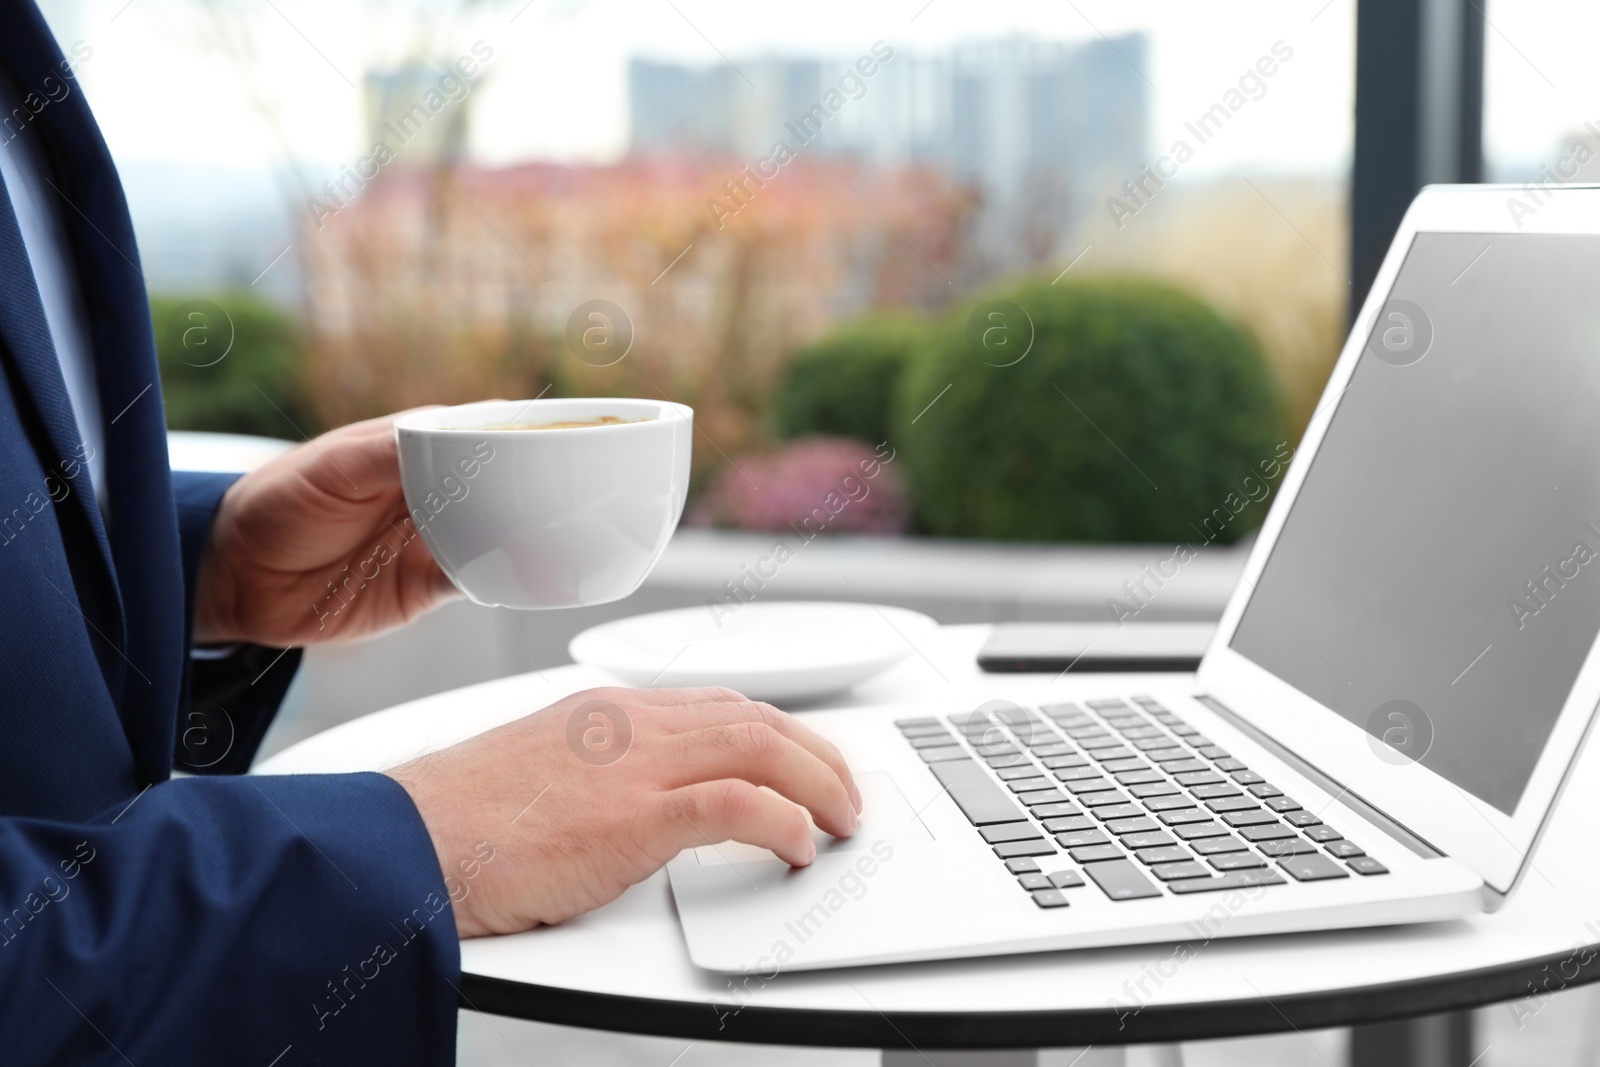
<point>315,546</point>
<point>598,791</point>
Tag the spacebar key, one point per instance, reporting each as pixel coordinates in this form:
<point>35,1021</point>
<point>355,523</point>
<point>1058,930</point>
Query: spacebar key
<point>975,793</point>
<point>1120,880</point>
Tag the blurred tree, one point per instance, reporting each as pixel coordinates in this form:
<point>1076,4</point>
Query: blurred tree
<point>231,363</point>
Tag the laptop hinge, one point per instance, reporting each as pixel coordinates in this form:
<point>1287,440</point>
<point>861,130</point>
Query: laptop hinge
<point>1333,788</point>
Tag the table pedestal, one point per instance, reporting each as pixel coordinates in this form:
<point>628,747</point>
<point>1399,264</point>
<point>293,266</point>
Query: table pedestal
<point>1166,1056</point>
<point>1427,1041</point>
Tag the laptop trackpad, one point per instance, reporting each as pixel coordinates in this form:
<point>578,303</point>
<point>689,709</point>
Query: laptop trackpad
<point>886,814</point>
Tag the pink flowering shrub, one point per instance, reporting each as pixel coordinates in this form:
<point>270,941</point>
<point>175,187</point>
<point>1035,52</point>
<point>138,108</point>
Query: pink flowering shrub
<point>809,486</point>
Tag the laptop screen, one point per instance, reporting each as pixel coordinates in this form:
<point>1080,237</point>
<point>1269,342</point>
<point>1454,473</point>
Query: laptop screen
<point>1437,580</point>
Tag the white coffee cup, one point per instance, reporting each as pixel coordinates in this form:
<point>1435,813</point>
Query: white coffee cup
<point>546,518</point>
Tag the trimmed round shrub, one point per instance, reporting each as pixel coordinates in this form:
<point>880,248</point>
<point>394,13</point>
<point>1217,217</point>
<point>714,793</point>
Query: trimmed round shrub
<point>843,385</point>
<point>815,485</point>
<point>1138,414</point>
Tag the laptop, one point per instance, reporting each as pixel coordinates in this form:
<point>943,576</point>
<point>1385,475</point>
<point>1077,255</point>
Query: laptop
<point>1380,725</point>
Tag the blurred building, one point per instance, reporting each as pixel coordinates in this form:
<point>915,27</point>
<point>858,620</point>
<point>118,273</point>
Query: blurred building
<point>1040,129</point>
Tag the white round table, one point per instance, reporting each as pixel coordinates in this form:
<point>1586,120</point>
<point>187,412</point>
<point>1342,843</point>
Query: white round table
<point>624,966</point>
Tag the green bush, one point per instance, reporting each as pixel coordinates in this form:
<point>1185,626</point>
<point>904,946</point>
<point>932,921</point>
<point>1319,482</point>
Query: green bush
<point>252,385</point>
<point>1137,413</point>
<point>843,385</point>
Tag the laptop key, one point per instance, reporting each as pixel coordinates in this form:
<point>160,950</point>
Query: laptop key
<point>932,740</point>
<point>1233,803</point>
<point>1102,799</point>
<point>1280,802</point>
<point>1061,763</point>
<point>1137,825</point>
<point>1054,811</point>
<point>1011,774</point>
<point>1109,812</point>
<point>1264,790</point>
<point>1080,838</point>
<point>1248,778</point>
<point>1108,755</point>
<point>1301,818</point>
<point>1016,759</point>
<point>1322,833</point>
<point>1164,854</point>
<point>1121,880</point>
<point>1078,774</point>
<point>1125,766</point>
<point>1232,861</point>
<point>1139,777</point>
<point>1009,831</point>
<point>1069,824</point>
<point>1366,865</point>
<point>1344,849</point>
<point>1168,802</point>
<point>1050,898</point>
<point>1266,833</point>
<point>1037,797</point>
<point>1289,846</point>
<point>1168,755</point>
<point>1212,751</point>
<point>1022,865</point>
<point>1256,817</point>
<point>1172,872</point>
<point>1185,815</point>
<point>1066,879</point>
<point>1228,763</point>
<point>1196,831</point>
<point>975,793</point>
<point>1096,784</point>
<point>1010,850</point>
<point>1231,880</point>
<point>1036,880</point>
<point>1095,853</point>
<point>1312,867</point>
<point>1051,747</point>
<point>1212,846</point>
<point>923,721</point>
<point>1193,778</point>
<point>1146,839</point>
<point>1184,766</point>
<point>1152,789</point>
<point>943,755</point>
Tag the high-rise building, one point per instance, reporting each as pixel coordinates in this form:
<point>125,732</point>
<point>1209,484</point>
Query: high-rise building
<point>1042,129</point>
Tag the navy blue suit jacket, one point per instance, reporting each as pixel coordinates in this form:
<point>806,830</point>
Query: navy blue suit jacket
<point>209,919</point>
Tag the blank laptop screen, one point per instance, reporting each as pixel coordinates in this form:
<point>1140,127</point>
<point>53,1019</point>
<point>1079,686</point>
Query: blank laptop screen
<point>1437,581</point>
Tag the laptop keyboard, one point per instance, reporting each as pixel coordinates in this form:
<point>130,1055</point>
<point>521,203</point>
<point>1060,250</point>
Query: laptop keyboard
<point>1126,795</point>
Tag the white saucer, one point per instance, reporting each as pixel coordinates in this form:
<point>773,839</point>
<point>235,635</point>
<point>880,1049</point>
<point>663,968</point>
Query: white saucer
<point>795,650</point>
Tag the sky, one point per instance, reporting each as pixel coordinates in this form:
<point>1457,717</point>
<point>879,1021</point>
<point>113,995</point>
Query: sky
<point>165,89</point>
<point>555,87</point>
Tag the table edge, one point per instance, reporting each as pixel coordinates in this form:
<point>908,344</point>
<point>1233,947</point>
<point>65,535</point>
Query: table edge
<point>753,1023</point>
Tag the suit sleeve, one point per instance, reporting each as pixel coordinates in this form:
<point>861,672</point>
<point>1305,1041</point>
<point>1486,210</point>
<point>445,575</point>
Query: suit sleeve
<point>231,699</point>
<point>273,920</point>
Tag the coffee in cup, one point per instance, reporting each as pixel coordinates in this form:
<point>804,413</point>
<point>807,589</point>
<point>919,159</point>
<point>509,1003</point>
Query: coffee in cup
<point>575,515</point>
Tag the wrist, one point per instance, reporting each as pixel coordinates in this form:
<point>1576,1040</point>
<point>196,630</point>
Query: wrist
<point>215,594</point>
